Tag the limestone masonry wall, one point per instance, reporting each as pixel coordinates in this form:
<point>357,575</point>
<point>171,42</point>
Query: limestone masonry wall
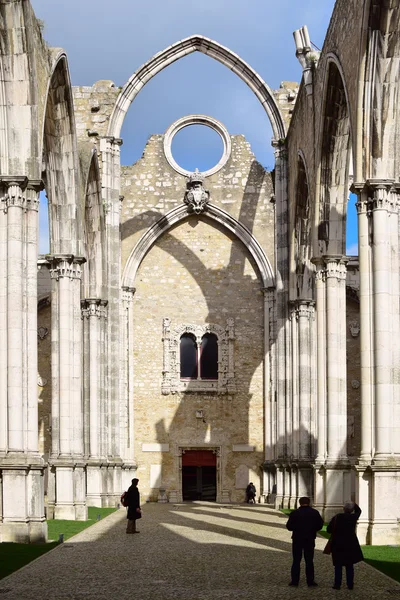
<point>198,273</point>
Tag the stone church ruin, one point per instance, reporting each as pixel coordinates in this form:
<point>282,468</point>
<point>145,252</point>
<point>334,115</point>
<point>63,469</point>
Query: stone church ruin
<point>201,330</point>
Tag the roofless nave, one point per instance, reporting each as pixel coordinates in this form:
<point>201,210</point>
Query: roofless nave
<point>201,330</point>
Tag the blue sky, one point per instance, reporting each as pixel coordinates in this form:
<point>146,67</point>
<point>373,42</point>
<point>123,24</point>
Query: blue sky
<point>111,43</point>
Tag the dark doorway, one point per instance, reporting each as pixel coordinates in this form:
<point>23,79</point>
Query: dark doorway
<point>199,475</point>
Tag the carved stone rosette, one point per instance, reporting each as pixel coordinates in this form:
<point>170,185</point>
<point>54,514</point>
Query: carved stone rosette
<point>172,383</point>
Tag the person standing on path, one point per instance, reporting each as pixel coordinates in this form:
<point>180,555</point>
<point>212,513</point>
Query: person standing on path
<point>134,510</point>
<point>304,523</point>
<point>251,493</point>
<point>346,550</point>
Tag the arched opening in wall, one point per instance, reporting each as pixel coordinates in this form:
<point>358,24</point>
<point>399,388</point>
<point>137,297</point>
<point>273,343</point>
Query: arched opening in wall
<point>60,165</point>
<point>335,167</point>
<point>302,249</point>
<point>94,233</point>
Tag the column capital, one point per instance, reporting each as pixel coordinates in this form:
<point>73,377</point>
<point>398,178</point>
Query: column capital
<point>65,265</point>
<point>93,307</point>
<point>364,206</point>
<point>280,149</point>
<point>302,308</point>
<point>380,196</point>
<point>128,293</point>
<point>20,192</point>
<point>330,266</point>
<point>268,292</point>
<point>113,140</point>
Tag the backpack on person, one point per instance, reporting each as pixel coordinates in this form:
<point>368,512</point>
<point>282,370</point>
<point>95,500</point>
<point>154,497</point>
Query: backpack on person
<point>124,499</point>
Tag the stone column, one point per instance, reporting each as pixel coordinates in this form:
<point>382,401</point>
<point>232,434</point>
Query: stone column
<point>126,393</point>
<point>268,420</point>
<point>366,348</point>
<point>67,407</point>
<point>382,313</point>
<point>385,467</point>
<point>20,464</point>
<point>305,312</point>
<point>283,342</point>
<point>93,313</point>
<point>395,281</point>
<point>110,160</point>
<point>320,294</point>
<point>332,473</point>
<point>338,480</point>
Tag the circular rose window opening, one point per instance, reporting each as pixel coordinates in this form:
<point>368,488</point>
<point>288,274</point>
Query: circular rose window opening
<point>197,142</point>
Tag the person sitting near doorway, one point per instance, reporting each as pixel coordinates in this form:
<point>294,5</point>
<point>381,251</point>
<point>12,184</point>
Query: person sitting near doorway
<point>251,493</point>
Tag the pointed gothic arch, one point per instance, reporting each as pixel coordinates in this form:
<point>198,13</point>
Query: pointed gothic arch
<point>60,161</point>
<point>301,278</point>
<point>196,43</point>
<point>335,154</point>
<point>180,213</point>
<point>94,233</point>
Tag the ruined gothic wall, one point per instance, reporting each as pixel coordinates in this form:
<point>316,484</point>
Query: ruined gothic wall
<point>344,40</point>
<point>197,273</point>
<point>151,188</point>
<point>93,106</point>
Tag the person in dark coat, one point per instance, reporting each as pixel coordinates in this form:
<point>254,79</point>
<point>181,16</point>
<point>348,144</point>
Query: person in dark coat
<point>304,523</point>
<point>134,510</point>
<point>251,493</point>
<point>346,551</point>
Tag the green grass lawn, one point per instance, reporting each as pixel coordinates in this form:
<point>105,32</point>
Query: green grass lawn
<point>70,528</point>
<point>384,558</point>
<point>15,556</point>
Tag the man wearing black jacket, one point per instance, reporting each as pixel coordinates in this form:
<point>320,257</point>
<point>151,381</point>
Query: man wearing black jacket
<point>304,523</point>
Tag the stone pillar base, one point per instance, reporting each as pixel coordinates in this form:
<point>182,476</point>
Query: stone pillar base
<point>22,497</point>
<point>24,533</point>
<point>173,496</point>
<point>70,485</point>
<point>117,490</point>
<point>384,526</point>
<point>93,486</point>
<point>332,488</point>
<point>225,497</point>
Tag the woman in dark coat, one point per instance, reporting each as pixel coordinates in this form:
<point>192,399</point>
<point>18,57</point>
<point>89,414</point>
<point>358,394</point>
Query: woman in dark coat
<point>134,510</point>
<point>346,549</point>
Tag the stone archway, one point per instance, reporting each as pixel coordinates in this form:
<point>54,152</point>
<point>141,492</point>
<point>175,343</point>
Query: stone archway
<point>216,214</point>
<point>60,159</point>
<point>196,43</point>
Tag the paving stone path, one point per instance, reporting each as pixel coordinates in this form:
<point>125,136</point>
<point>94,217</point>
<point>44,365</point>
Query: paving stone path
<point>196,551</point>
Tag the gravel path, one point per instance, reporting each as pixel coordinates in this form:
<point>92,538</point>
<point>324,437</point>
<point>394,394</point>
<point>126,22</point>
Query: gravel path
<point>196,551</point>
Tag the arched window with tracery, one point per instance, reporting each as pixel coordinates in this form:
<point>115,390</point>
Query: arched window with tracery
<point>198,358</point>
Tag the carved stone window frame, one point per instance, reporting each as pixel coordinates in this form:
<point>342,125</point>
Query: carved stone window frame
<point>172,382</point>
